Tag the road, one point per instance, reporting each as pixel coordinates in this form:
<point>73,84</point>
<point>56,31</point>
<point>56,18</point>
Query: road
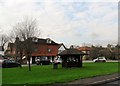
<point>106,61</point>
<point>114,82</point>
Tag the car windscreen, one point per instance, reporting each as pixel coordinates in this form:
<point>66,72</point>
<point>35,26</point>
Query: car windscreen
<point>44,58</point>
<point>9,61</point>
<point>101,58</point>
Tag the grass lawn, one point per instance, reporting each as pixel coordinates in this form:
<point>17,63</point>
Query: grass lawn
<point>48,75</point>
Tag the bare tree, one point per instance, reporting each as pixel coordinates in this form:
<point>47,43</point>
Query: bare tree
<point>25,30</point>
<point>3,40</point>
<point>19,50</point>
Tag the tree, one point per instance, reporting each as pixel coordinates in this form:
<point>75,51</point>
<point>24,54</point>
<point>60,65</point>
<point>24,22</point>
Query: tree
<point>19,50</point>
<point>3,40</point>
<point>25,30</point>
<point>105,52</point>
<point>94,52</point>
<point>117,51</point>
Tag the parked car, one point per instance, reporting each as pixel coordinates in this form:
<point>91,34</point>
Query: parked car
<point>1,62</point>
<point>1,58</point>
<point>42,61</point>
<point>37,60</point>
<point>10,63</point>
<point>100,59</point>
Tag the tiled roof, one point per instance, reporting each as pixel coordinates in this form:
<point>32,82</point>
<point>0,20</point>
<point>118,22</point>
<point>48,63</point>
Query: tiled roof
<point>62,45</point>
<point>71,52</point>
<point>43,41</point>
<point>85,48</point>
<point>42,50</point>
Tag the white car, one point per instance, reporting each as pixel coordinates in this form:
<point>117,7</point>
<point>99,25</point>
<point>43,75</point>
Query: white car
<point>100,59</point>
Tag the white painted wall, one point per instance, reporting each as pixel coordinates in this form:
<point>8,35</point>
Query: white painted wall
<point>61,49</point>
<point>30,61</point>
<point>2,53</point>
<point>27,61</point>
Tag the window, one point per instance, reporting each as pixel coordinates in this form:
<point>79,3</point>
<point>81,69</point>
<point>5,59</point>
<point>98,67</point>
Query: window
<point>49,41</point>
<point>34,39</point>
<point>49,50</point>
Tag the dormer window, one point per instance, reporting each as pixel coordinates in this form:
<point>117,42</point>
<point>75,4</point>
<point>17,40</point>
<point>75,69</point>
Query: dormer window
<point>35,40</point>
<point>49,41</point>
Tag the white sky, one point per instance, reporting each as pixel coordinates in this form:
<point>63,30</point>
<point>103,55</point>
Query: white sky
<point>72,22</point>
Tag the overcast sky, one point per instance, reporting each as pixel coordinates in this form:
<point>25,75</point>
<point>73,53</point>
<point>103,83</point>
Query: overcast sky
<point>72,22</point>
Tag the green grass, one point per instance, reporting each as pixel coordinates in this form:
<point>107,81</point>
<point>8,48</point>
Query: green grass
<point>48,75</point>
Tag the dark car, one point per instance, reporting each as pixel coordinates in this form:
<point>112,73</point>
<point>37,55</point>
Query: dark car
<point>10,63</point>
<point>42,61</point>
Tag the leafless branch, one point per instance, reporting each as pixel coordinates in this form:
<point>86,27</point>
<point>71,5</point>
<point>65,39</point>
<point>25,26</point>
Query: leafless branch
<point>3,39</point>
<point>25,30</point>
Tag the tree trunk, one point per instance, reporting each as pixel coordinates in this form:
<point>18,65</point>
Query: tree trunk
<point>20,60</point>
<point>29,63</point>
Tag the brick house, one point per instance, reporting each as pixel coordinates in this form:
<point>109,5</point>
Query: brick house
<point>43,48</point>
<point>10,51</point>
<point>1,50</point>
<point>86,50</point>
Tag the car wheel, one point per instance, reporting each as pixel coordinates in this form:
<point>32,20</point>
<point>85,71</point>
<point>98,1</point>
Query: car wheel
<point>104,61</point>
<point>96,61</point>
